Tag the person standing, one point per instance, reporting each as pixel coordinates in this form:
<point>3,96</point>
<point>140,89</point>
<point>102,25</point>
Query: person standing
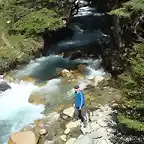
<point>79,105</point>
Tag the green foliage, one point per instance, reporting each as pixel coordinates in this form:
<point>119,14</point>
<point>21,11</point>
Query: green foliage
<point>128,8</point>
<point>133,124</point>
<point>132,83</point>
<point>135,4</point>
<point>121,12</point>
<point>19,51</point>
<point>20,20</point>
<point>37,22</point>
<point>31,17</point>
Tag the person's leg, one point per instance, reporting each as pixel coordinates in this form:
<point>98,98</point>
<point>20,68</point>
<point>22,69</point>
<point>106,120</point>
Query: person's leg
<point>83,115</point>
<point>76,112</point>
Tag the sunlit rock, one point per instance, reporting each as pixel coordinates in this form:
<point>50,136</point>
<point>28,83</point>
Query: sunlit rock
<point>65,73</point>
<point>22,138</point>
<point>69,111</point>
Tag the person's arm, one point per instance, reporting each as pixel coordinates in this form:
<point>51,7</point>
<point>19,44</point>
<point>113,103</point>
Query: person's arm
<point>82,100</point>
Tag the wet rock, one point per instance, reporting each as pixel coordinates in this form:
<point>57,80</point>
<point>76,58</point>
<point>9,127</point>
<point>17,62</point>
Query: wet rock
<point>67,131</point>
<point>86,139</point>
<point>36,99</point>
<point>28,79</point>
<point>81,68</point>
<point>4,86</point>
<point>42,131</point>
<point>63,138</point>
<point>22,138</point>
<point>69,111</point>
<point>71,141</point>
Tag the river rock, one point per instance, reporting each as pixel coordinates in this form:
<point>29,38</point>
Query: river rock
<point>36,99</point>
<point>28,79</point>
<point>22,138</point>
<point>65,73</point>
<point>69,111</point>
<point>4,86</point>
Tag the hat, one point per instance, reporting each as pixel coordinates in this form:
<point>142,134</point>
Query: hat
<point>76,87</point>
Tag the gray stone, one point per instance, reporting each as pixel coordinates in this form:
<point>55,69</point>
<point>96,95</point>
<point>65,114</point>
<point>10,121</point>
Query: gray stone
<point>94,126</point>
<point>101,132</point>
<point>102,123</point>
<point>86,139</point>
<point>4,86</point>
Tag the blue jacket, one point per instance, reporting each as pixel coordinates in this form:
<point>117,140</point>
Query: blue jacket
<point>79,99</point>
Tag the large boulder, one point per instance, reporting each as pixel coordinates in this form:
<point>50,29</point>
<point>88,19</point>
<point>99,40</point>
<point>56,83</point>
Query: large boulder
<point>27,137</point>
<point>4,86</point>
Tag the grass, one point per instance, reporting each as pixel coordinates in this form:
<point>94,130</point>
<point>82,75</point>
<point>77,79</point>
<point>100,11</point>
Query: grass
<point>16,49</point>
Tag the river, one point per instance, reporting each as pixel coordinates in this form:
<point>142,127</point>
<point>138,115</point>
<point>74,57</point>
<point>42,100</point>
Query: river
<point>16,112</point>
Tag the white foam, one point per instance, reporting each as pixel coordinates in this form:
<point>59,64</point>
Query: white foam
<point>16,111</point>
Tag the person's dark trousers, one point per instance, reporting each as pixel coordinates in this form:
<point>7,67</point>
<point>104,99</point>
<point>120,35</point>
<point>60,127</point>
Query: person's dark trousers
<point>80,114</point>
